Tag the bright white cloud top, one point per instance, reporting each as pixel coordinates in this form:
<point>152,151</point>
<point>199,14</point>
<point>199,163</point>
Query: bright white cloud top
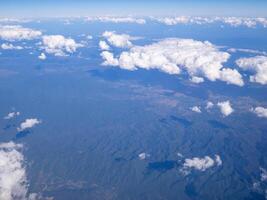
<point>199,59</point>
<point>118,40</point>
<point>209,105</point>
<point>201,164</point>
<point>225,108</point>
<point>42,56</point>
<point>59,45</point>
<point>260,111</point>
<point>103,45</point>
<point>258,65</point>
<point>196,109</point>
<point>13,33</point>
<point>28,123</point>
<point>12,115</point>
<point>13,183</point>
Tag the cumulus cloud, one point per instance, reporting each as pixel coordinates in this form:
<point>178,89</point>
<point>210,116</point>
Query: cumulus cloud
<point>200,60</point>
<point>28,123</point>
<point>196,109</point>
<point>225,108</point>
<point>12,33</point>
<point>196,79</point>
<point>201,164</point>
<point>103,45</point>
<point>109,58</point>
<point>42,56</point>
<point>7,46</point>
<point>13,183</point>
<point>209,105</point>
<point>260,111</point>
<point>143,156</point>
<point>117,19</point>
<point>231,76</point>
<point>12,115</point>
<point>118,40</point>
<point>59,45</point>
<point>258,65</point>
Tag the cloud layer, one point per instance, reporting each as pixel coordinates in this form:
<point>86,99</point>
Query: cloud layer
<point>13,33</point>
<point>199,59</point>
<point>232,21</point>
<point>117,19</point>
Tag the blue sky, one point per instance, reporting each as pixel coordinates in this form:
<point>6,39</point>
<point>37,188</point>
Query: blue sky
<point>50,8</point>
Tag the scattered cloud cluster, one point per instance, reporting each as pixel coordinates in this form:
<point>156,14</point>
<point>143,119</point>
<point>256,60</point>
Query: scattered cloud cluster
<point>225,108</point>
<point>13,183</point>
<point>12,115</point>
<point>117,19</point>
<point>28,123</point>
<point>258,65</point>
<point>59,45</point>
<point>13,33</point>
<point>232,21</point>
<point>8,46</point>
<point>260,111</point>
<point>200,59</point>
<point>201,164</point>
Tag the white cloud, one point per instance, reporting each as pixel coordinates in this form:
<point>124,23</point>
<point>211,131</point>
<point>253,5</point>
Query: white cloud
<point>260,111</point>
<point>118,40</point>
<point>225,108</point>
<point>234,50</point>
<point>117,19</point>
<point>258,65</point>
<point>232,21</point>
<point>12,115</point>
<point>13,183</point>
<point>42,56</point>
<point>263,174</point>
<point>89,37</point>
<point>28,123</point>
<point>8,46</point>
<point>12,33</point>
<point>209,105</point>
<point>59,45</point>
<point>109,58</point>
<point>143,156</point>
<point>196,79</point>
<point>196,109</point>
<point>199,59</point>
<point>201,164</point>
<point>103,45</point>
<point>231,76</point>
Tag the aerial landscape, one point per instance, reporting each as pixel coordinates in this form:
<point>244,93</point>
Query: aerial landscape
<point>133,100</point>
